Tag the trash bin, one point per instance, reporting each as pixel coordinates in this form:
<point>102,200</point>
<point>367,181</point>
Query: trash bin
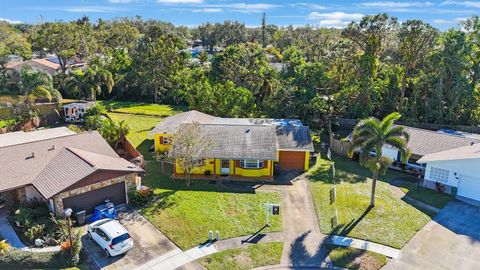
<point>81,217</point>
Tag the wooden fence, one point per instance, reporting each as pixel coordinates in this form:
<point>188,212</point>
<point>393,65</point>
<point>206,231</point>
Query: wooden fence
<point>340,147</point>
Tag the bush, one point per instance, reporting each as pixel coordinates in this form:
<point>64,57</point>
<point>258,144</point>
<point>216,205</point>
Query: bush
<point>35,232</point>
<point>24,217</point>
<point>98,109</point>
<point>140,197</point>
<point>4,246</point>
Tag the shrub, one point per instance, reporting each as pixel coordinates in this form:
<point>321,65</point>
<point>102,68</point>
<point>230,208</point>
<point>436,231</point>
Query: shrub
<point>35,232</point>
<point>98,109</point>
<point>139,197</point>
<point>4,246</point>
<point>23,216</point>
<point>76,248</point>
<point>65,246</point>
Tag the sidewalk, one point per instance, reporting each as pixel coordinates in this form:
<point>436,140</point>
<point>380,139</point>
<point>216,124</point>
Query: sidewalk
<point>176,258</point>
<point>362,244</point>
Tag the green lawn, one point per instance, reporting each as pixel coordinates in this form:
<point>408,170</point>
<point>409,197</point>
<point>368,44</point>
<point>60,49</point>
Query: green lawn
<point>142,108</point>
<point>391,222</point>
<point>426,195</point>
<point>140,126</point>
<point>352,258</point>
<point>244,258</point>
<point>186,215</point>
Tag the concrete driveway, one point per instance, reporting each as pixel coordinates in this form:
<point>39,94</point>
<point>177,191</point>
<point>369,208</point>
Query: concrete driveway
<point>450,241</point>
<point>149,243</point>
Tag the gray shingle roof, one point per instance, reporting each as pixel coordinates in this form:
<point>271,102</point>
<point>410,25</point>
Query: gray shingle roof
<point>241,142</point>
<point>170,124</point>
<point>22,163</point>
<point>294,138</point>
<point>423,142</point>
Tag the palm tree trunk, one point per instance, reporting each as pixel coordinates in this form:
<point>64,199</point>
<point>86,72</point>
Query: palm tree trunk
<point>374,187</point>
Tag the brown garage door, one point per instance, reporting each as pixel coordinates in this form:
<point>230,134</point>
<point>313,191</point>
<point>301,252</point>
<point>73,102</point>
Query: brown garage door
<point>87,201</point>
<point>292,160</point>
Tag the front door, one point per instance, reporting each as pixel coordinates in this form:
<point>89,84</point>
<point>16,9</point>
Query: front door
<point>225,166</point>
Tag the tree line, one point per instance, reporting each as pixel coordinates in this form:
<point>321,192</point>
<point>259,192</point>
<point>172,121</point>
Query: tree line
<point>370,68</point>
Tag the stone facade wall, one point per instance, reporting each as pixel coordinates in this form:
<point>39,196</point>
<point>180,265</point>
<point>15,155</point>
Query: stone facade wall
<point>130,179</point>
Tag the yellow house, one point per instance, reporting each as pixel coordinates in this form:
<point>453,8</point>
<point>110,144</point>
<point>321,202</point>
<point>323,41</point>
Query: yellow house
<point>242,148</point>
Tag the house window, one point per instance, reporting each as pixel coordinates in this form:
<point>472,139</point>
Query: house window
<point>251,164</point>
<point>165,140</point>
<point>439,175</point>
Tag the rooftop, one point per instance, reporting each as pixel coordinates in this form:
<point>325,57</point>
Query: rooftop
<point>21,137</point>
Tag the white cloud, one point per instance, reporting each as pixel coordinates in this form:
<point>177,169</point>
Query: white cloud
<point>243,7</point>
<point>208,10</point>
<point>173,2</point>
<point>470,4</point>
<point>334,19</point>
<point>92,9</point>
<point>392,4</point>
<point>10,21</point>
<point>309,6</point>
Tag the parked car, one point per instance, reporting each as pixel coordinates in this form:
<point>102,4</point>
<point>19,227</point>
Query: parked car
<point>111,236</point>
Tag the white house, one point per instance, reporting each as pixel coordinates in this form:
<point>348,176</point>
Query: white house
<point>456,169</point>
<point>74,112</point>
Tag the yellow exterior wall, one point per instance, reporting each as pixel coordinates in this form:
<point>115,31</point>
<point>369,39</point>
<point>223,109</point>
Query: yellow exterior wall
<point>307,160</point>
<point>208,166</point>
<point>254,172</point>
<point>159,147</point>
<point>214,165</point>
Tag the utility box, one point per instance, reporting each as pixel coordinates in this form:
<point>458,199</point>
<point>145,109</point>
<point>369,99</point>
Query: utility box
<point>276,210</point>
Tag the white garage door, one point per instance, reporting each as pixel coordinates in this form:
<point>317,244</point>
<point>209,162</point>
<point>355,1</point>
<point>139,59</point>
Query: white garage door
<point>469,188</point>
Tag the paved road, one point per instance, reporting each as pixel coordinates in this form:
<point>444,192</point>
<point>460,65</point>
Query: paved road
<point>450,241</point>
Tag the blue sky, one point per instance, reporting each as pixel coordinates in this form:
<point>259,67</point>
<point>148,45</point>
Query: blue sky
<point>335,13</point>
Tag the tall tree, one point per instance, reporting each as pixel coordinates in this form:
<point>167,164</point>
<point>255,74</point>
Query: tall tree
<point>416,39</point>
<point>264,30</point>
<point>368,35</point>
<point>190,148</point>
<point>90,83</point>
<point>370,135</point>
<point>36,84</point>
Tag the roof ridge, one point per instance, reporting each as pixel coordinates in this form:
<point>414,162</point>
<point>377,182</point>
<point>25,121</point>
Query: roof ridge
<point>72,150</point>
<point>440,133</point>
<point>47,139</point>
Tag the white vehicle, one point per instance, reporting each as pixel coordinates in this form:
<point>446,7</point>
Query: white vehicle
<point>111,236</point>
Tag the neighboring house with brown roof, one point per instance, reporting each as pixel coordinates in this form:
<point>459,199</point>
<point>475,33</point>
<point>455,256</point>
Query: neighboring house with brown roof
<point>242,147</point>
<point>48,65</point>
<point>64,169</point>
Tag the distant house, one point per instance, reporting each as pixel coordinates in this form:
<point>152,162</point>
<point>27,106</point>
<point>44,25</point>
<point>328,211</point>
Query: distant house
<point>49,65</point>
<point>64,169</point>
<point>456,169</point>
<point>448,160</point>
<point>75,111</point>
<point>423,142</point>
<point>242,147</point>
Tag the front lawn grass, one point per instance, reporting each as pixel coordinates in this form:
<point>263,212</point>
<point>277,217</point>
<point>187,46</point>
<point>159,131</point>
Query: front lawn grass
<point>352,258</point>
<point>186,214</point>
<point>140,126</point>
<point>142,108</point>
<point>391,222</point>
<point>244,258</point>
<point>426,195</point>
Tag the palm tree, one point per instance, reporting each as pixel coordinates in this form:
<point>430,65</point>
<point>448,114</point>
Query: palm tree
<point>90,82</point>
<point>36,84</point>
<point>370,135</point>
